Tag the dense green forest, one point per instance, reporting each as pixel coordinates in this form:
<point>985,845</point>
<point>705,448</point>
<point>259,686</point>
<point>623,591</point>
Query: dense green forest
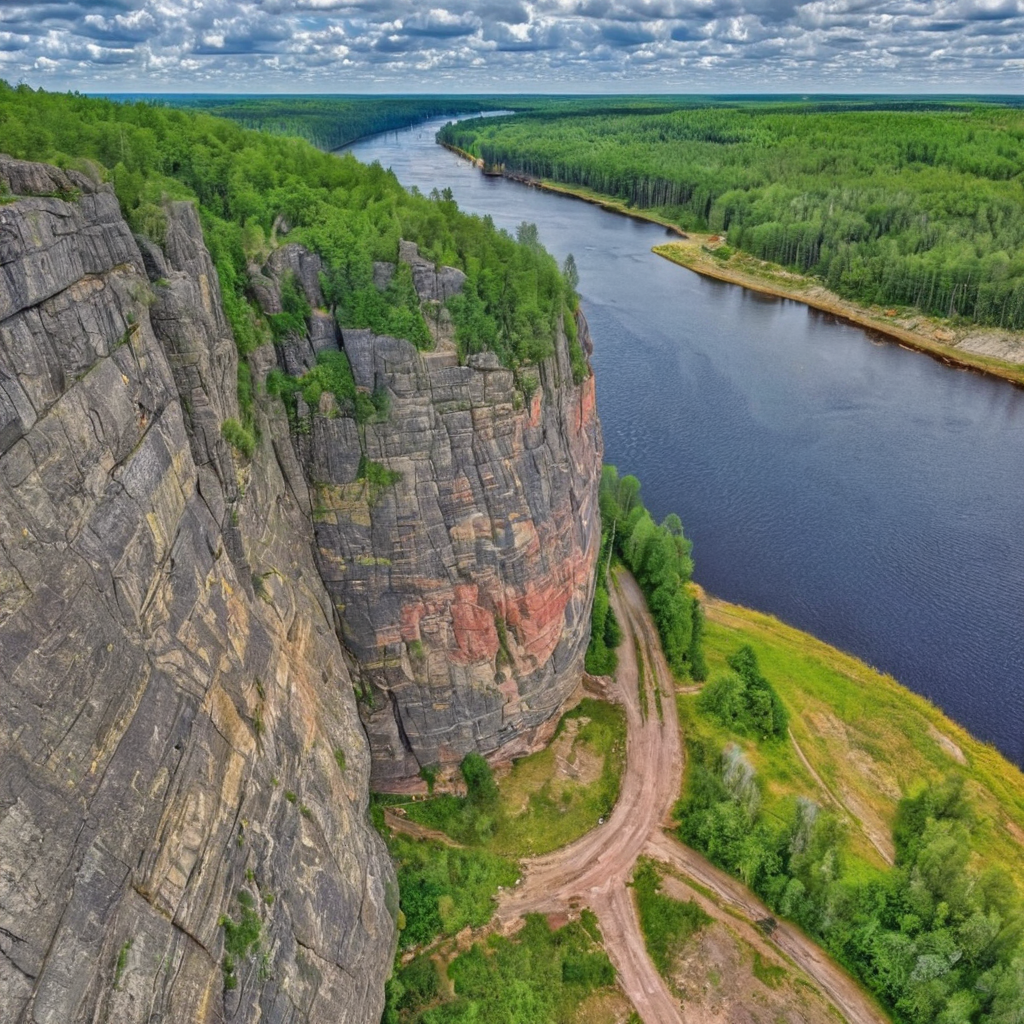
<point>915,204</point>
<point>330,122</point>
<point>246,182</point>
<point>936,938</point>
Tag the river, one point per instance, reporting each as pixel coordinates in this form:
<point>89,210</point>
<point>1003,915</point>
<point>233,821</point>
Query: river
<point>855,489</point>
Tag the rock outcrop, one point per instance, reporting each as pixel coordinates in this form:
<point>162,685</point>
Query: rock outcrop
<point>185,631</point>
<point>180,751</point>
<point>463,571</point>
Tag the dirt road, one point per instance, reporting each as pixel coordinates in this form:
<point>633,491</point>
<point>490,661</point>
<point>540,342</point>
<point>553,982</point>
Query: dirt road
<point>594,870</point>
<point>731,895</point>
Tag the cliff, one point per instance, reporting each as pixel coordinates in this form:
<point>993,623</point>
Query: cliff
<point>463,581</point>
<point>189,634</point>
<point>183,775</point>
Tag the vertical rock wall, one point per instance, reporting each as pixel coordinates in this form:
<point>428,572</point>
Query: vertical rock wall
<point>177,721</point>
<point>464,585</point>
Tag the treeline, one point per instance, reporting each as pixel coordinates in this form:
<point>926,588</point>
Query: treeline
<point>659,558</point>
<point>919,207</point>
<point>250,186</point>
<point>935,939</point>
<point>330,122</point>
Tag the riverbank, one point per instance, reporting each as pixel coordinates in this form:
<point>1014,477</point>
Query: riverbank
<point>588,196</point>
<point>859,741</point>
<point>985,350</point>
<point>961,347</point>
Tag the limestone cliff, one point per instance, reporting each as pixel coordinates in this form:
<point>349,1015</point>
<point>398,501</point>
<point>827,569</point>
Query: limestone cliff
<point>180,752</point>
<point>464,582</point>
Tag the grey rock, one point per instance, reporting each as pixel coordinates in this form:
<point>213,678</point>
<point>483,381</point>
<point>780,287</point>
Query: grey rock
<point>24,178</point>
<point>159,698</point>
<point>265,289</point>
<point>463,588</point>
<point>305,265</point>
<point>434,284</point>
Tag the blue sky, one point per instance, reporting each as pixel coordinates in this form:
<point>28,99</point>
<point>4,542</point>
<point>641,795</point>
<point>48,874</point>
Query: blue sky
<point>345,46</point>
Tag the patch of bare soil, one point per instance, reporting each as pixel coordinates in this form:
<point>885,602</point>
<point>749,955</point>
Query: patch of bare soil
<point>574,764</point>
<point>603,1008</point>
<point>714,974</point>
<point>1015,830</point>
<point>947,744</point>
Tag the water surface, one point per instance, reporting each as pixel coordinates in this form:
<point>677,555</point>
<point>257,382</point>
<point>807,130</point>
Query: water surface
<point>857,490</point>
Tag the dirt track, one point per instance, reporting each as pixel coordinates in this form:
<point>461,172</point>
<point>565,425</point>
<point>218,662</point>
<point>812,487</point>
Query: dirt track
<point>594,870</point>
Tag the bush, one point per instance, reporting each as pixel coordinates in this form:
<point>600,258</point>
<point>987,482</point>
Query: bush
<point>481,789</point>
<point>605,635</point>
<point>744,700</point>
<point>578,362</point>
<point>537,977</point>
<point>666,923</point>
<point>443,889</point>
<point>293,321</point>
<point>242,440</point>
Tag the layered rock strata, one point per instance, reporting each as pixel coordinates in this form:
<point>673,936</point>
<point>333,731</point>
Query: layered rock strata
<point>180,752</point>
<point>462,572</point>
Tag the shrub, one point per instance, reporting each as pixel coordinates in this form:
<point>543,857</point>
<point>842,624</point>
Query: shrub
<point>481,789</point>
<point>744,700</point>
<point>666,923</point>
<point>242,440</point>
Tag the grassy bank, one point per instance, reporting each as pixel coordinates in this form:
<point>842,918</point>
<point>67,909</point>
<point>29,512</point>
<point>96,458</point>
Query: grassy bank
<point>865,816</point>
<point>868,739</point>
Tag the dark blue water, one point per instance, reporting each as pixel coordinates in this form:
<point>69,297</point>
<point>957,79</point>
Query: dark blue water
<point>862,492</point>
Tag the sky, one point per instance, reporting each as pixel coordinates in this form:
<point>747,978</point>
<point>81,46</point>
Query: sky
<point>510,46</point>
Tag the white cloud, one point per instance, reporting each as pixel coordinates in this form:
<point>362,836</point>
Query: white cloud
<point>512,45</point>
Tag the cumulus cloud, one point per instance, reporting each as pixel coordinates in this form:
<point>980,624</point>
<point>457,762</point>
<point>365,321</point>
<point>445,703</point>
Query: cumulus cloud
<point>514,45</point>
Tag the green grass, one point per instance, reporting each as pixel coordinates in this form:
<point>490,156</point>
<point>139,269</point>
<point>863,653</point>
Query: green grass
<point>539,976</point>
<point>641,676</point>
<point>870,739</point>
<point>665,922</point>
<point>768,974</point>
<point>443,889</point>
<point>537,811</point>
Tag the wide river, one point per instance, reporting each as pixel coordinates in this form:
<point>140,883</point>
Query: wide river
<point>855,489</point>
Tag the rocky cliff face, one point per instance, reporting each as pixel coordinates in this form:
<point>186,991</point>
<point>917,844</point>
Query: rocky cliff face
<point>183,775</point>
<point>463,582</point>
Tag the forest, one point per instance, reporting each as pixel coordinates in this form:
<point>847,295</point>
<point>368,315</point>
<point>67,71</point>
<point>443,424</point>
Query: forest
<point>247,184</point>
<point>898,204</point>
<point>330,122</point>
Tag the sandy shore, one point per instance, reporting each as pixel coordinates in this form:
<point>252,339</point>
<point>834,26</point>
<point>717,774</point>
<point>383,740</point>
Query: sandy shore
<point>988,350</point>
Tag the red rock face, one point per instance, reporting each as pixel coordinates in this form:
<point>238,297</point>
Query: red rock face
<point>464,589</point>
<point>476,636</point>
